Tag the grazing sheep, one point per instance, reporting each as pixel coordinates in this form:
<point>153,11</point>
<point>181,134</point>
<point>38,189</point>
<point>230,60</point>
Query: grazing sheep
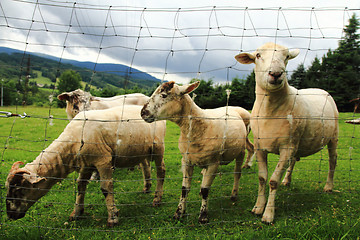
<point>78,100</point>
<point>286,121</point>
<point>208,138</point>
<point>353,121</point>
<point>101,139</point>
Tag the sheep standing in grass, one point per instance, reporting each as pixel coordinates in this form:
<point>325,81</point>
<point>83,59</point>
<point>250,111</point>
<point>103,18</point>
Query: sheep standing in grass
<point>78,101</point>
<point>100,139</point>
<point>286,121</point>
<point>208,138</point>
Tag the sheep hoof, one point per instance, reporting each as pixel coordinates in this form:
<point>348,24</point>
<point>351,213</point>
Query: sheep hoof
<point>112,224</point>
<point>73,216</point>
<point>156,203</point>
<point>203,218</point>
<point>146,188</point>
<point>286,184</point>
<point>178,215</point>
<point>328,188</point>
<point>267,220</point>
<point>233,198</point>
<point>257,211</point>
<point>245,166</point>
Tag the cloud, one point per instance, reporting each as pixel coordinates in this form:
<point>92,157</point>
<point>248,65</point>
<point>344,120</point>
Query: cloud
<point>174,40</point>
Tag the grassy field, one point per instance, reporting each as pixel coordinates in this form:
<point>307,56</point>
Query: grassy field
<point>304,211</point>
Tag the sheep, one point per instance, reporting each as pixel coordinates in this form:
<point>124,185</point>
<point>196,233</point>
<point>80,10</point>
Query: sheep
<point>79,100</point>
<point>356,110</point>
<point>101,139</point>
<point>289,122</point>
<point>208,138</point>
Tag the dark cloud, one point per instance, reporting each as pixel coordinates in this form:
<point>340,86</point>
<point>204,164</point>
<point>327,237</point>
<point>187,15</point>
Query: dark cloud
<point>168,41</point>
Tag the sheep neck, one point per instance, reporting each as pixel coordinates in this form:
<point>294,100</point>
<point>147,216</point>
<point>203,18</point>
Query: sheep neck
<point>56,161</point>
<point>274,101</point>
<point>191,119</point>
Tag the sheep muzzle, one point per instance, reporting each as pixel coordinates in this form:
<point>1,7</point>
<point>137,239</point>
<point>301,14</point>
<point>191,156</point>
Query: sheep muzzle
<point>275,77</point>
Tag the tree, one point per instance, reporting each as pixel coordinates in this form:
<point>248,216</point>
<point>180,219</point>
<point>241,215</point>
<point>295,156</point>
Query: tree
<point>339,70</point>
<point>69,81</point>
<point>297,79</point>
<point>313,75</point>
<point>341,67</point>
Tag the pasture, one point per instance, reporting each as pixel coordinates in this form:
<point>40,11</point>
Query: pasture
<point>303,211</point>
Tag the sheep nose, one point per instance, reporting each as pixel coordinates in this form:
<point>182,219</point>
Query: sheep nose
<point>144,112</point>
<point>275,75</point>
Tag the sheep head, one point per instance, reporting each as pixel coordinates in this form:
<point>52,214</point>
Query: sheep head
<point>166,101</point>
<point>23,190</point>
<point>76,101</point>
<point>270,65</point>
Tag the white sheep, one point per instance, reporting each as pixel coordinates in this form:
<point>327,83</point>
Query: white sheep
<point>79,100</point>
<point>101,139</point>
<point>286,121</point>
<point>208,138</point>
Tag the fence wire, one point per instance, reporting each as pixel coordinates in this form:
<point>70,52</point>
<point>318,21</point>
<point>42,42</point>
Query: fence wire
<point>172,44</point>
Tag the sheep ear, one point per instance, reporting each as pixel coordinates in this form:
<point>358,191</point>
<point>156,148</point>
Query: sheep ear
<point>64,96</point>
<point>189,88</point>
<point>33,178</point>
<point>16,177</point>
<point>92,98</point>
<point>293,53</point>
<point>16,166</point>
<point>245,58</point>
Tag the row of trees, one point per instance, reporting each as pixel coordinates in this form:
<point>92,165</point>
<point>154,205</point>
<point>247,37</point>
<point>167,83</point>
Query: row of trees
<point>338,71</point>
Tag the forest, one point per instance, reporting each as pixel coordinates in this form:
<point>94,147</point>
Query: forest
<point>337,72</point>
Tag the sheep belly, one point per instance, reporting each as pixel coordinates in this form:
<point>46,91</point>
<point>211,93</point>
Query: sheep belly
<point>214,146</point>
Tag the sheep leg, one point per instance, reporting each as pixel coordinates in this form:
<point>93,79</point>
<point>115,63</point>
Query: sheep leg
<point>208,177</point>
<point>250,155</point>
<point>287,179</point>
<point>160,174</point>
<point>107,188</point>
<point>332,145</point>
<point>237,174</point>
<point>187,176</point>
<point>82,183</point>
<point>259,207</point>
<point>146,171</point>
<point>284,161</point>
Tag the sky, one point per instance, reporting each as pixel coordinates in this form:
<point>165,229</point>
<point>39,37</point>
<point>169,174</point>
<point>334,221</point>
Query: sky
<point>174,40</point>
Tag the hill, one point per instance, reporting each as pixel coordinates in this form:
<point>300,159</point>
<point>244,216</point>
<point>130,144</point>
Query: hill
<point>106,73</point>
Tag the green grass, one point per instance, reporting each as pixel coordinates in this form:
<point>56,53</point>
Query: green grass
<point>40,79</point>
<point>304,211</point>
<point>44,80</point>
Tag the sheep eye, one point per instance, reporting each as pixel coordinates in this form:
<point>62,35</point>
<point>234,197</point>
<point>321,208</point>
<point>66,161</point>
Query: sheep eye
<point>287,57</point>
<point>163,95</point>
<point>258,55</point>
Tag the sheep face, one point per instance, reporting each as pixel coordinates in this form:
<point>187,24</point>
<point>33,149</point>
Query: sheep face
<point>76,101</point>
<point>270,65</point>
<point>23,190</point>
<point>166,101</point>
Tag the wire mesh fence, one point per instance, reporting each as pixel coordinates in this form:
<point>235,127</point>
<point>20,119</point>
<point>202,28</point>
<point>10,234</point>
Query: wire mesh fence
<point>170,43</point>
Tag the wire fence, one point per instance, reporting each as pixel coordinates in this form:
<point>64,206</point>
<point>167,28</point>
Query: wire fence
<point>170,43</point>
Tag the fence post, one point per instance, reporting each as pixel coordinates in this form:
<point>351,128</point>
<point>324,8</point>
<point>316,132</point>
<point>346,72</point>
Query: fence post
<point>2,92</point>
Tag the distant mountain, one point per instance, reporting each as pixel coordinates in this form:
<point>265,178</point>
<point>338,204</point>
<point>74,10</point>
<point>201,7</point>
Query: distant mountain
<point>110,68</point>
<point>117,69</point>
